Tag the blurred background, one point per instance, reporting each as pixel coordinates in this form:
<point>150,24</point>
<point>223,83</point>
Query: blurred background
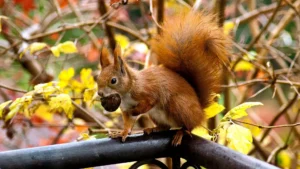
<point>50,49</point>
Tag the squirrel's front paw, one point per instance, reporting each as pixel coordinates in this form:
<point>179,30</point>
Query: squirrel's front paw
<point>117,134</point>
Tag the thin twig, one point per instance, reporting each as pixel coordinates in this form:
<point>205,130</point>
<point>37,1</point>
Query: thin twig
<point>80,24</point>
<point>259,148</point>
<point>282,111</point>
<point>160,14</point>
<point>151,13</point>
<point>270,81</point>
<point>293,7</point>
<point>12,89</point>
<point>89,114</point>
<point>255,13</point>
<point>108,29</point>
<point>266,26</point>
<point>275,152</point>
<point>260,91</point>
<point>268,127</point>
<point>79,16</point>
<point>60,133</point>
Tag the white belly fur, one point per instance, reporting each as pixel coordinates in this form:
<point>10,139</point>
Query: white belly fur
<point>158,115</point>
<point>127,102</point>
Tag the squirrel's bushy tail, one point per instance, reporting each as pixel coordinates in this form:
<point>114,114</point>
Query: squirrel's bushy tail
<point>193,45</point>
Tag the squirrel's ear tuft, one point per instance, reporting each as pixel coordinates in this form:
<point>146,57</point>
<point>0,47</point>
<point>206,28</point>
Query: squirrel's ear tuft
<point>118,62</point>
<point>104,58</point>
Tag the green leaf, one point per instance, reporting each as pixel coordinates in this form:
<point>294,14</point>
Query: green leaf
<point>240,110</point>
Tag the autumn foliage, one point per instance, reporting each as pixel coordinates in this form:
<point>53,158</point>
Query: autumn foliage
<point>49,54</point>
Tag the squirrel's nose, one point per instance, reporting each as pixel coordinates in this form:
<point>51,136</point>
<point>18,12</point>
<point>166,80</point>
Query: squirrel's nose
<point>100,93</point>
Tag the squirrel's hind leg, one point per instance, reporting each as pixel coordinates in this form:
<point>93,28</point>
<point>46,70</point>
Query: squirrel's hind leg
<point>177,139</point>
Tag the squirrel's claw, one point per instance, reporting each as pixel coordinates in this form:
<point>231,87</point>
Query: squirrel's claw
<point>117,134</point>
<point>148,131</point>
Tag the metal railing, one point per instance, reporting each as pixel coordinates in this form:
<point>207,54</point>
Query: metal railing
<point>141,148</point>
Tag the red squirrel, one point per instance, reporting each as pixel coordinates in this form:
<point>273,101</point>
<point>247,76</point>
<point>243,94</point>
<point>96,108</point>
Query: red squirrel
<point>191,51</point>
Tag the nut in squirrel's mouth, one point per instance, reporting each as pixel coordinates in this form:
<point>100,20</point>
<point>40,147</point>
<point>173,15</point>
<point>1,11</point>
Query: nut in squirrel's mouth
<point>111,103</point>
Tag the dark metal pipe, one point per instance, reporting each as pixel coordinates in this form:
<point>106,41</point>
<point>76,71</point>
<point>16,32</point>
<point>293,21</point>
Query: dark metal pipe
<point>205,153</point>
<point>137,147</point>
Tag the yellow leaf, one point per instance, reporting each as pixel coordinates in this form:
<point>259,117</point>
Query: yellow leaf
<point>87,79</point>
<point>76,86</point>
<point>15,103</point>
<point>228,27</point>
<point>36,46</point>
<point>284,159</point>
<point>65,76</point>
<point>240,110</point>
<point>213,110</point>
<point>202,132</point>
<point>222,136</point>
<point>25,102</point>
<point>122,40</point>
<point>50,90</point>
<point>14,108</point>
<point>12,113</point>
<point>55,51</point>
<point>244,66</point>
<point>256,131</point>
<point>20,104</point>
<point>86,136</point>
<point>22,53</point>
<point>46,89</point>
<point>62,102</point>
<point>89,94</point>
<point>42,86</point>
<point>239,138</point>
<point>67,47</point>
<point>2,106</point>
<point>128,165</point>
<point>43,112</point>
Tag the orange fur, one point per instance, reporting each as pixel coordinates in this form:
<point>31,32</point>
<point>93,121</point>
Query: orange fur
<point>192,49</point>
<point>194,46</point>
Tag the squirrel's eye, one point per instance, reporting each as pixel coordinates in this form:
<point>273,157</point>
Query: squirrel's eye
<point>113,81</point>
